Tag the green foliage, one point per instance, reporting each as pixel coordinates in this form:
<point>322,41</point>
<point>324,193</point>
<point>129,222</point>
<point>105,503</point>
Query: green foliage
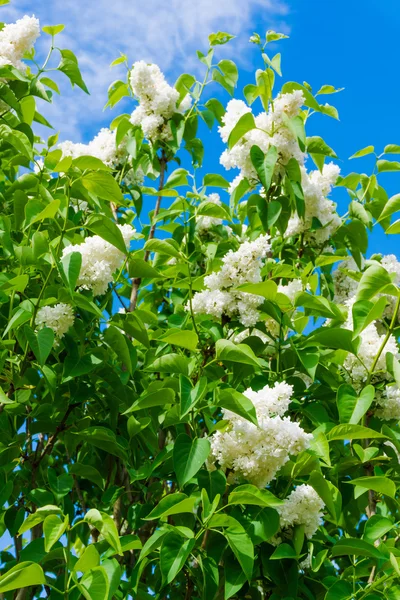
<point>109,485</point>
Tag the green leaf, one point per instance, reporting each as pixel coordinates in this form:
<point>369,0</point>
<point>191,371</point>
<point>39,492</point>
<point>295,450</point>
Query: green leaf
<point>251,495</point>
<point>162,247</point>
<point>53,528</point>
<point>392,149</point>
<point>365,312</point>
<point>108,231</point>
<point>141,268</point>
<point>61,485</point>
<point>356,547</point>
<point>134,327</point>
<point>17,139</point>
<point>173,556</point>
<point>352,432</point>
<point>245,124</point>
<point>89,162</point>
<point>243,549</point>
<point>189,396</point>
<point>373,280</point>
<point>173,504</point>
<point>184,338</point>
<point>386,166</point>
<point>118,342</point>
<point>28,108</point>
<point>323,487</point>
<point>217,39</point>
<point>215,180</point>
<point>264,164</point>
<point>24,574</point>
<point>267,289</point>
<point>284,551</point>
<point>41,343</point>
<point>177,179</point>
<point>341,590</point>
<point>102,438</point>
<point>238,353</point>
<point>238,403</point>
<point>69,66</point>
<point>352,407</point>
<point>309,99</point>
<point>71,265</point>
<point>189,456</point>
<point>363,152</point>
<point>87,472</point>
<point>376,527</point>
<point>158,398</point>
<point>316,145</point>
<point>380,484</point>
<point>341,339</point>
<point>110,533</point>
<point>88,560</point>
<point>170,363</point>
<point>391,206</point>
<point>230,71</point>
<point>38,517</point>
<point>94,584</point>
<point>49,212</point>
<point>103,185</point>
<point>53,29</point>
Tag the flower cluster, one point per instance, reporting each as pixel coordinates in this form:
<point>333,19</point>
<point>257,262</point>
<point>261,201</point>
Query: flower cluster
<point>100,260</point>
<point>316,187</point>
<point>291,289</point>
<point>358,367</point>
<point>271,130</point>
<point>16,39</point>
<point>388,404</point>
<point>257,453</point>
<point>221,298</point>
<point>344,285</point>
<point>104,147</point>
<point>59,318</point>
<point>302,507</point>
<point>158,101</point>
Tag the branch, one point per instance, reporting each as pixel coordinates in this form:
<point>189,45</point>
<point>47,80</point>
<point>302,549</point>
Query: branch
<point>137,280</point>
<point>53,438</point>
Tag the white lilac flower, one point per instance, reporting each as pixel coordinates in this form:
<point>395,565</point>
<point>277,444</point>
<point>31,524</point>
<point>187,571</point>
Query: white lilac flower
<point>345,286</point>
<point>78,205</point>
<point>243,266</point>
<point>271,130</point>
<point>358,366</point>
<point>302,507</point>
<point>16,39</point>
<point>239,337</point>
<point>316,186</point>
<point>100,260</point>
<point>59,318</point>
<point>103,146</point>
<point>292,288</point>
<point>157,101</point>
<point>388,404</point>
<point>257,453</point>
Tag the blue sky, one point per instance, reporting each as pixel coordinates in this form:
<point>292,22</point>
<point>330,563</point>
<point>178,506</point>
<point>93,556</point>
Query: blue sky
<point>351,44</point>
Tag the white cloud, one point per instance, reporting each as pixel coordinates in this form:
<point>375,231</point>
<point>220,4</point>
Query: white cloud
<point>167,33</point>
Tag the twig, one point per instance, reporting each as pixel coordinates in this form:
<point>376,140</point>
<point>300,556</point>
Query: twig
<point>52,439</point>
